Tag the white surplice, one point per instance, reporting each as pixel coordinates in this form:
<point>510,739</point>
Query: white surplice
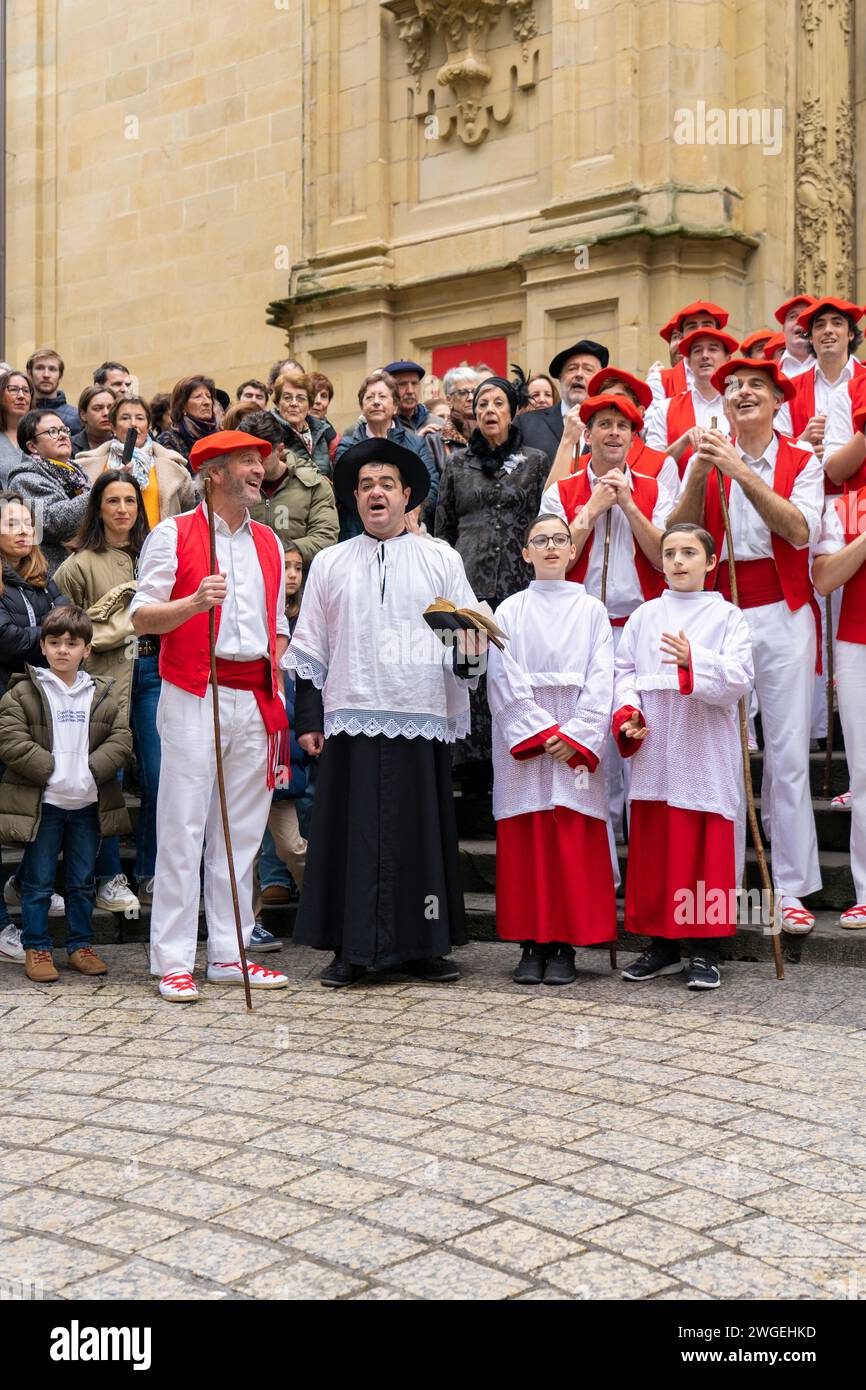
<point>557,668</point>
<point>362,640</point>
<point>691,756</point>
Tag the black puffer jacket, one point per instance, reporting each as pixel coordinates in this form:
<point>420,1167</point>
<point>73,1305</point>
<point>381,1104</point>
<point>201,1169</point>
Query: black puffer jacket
<point>22,608</point>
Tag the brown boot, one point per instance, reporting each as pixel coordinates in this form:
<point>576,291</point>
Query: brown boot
<point>39,967</point>
<point>87,962</point>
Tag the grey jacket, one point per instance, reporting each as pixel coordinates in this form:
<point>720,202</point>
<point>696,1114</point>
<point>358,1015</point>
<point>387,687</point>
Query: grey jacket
<point>58,517</point>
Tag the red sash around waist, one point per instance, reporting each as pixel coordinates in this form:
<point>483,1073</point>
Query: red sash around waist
<point>757,583</point>
<point>255,676</point>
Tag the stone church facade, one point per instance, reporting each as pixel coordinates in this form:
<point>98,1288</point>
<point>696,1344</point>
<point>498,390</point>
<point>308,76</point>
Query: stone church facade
<point>203,186</point>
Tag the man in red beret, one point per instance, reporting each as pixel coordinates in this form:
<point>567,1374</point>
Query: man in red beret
<point>638,505</point>
<point>833,337</point>
<point>613,381</point>
<point>775,491</point>
<point>175,594</point>
<point>674,425</point>
<point>795,359</point>
<point>670,381</point>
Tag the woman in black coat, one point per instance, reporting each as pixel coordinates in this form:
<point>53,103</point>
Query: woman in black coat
<point>488,495</point>
<point>26,595</point>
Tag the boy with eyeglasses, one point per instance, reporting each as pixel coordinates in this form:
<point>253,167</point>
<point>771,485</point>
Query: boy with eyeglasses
<point>550,697</point>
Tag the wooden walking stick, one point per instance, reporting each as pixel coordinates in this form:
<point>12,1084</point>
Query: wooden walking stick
<point>218,750</point>
<point>604,566</point>
<point>766,882</point>
<point>828,761</point>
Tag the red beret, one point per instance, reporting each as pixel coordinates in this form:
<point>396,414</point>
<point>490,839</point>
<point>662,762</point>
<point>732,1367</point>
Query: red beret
<point>842,306</point>
<point>756,339</point>
<point>687,343</point>
<point>773,345</point>
<point>782,312</point>
<point>751,364</point>
<point>641,390</point>
<point>593,404</point>
<point>668,331</point>
<point>700,306</point>
<point>225,442</point>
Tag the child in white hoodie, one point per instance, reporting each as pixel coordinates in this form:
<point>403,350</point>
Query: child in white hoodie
<point>63,741</point>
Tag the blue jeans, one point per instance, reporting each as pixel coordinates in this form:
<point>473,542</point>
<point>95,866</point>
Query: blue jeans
<point>146,685</point>
<point>76,833</point>
<point>5,919</point>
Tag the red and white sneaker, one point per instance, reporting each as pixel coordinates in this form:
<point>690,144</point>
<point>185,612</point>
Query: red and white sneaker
<point>179,986</point>
<point>793,917</point>
<point>854,917</point>
<point>231,973</point>
<point>841,803</point>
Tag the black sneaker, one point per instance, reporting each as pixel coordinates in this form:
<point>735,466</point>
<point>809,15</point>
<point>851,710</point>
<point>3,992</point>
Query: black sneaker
<point>530,968</point>
<point>339,973</point>
<point>703,974</point>
<point>658,959</point>
<point>559,969</point>
<point>436,970</point>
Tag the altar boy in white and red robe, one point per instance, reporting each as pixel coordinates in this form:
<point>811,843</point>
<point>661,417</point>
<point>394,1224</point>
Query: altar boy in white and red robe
<point>684,661</point>
<point>550,692</point>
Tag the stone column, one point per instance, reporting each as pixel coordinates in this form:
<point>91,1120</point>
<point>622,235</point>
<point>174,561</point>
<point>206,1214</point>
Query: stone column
<point>824,158</point>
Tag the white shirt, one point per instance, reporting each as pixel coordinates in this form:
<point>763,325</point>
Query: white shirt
<point>792,366</point>
<point>624,593</point>
<point>362,640</point>
<point>71,785</point>
<point>656,432</point>
<point>749,532</point>
<point>243,624</point>
<point>825,393</point>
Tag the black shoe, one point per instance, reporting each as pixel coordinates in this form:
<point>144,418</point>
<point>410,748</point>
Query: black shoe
<point>703,974</point>
<point>662,958</point>
<point>339,973</point>
<point>559,969</point>
<point>530,968</point>
<point>436,969</point>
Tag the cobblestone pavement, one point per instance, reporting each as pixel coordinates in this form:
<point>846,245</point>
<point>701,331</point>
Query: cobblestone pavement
<point>404,1141</point>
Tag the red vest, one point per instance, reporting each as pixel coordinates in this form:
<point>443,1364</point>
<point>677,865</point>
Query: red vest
<point>803,404</point>
<point>575,492</point>
<point>647,461</point>
<point>852,617</point>
<point>184,655</point>
<point>674,379</point>
<point>681,417</point>
<point>792,564</point>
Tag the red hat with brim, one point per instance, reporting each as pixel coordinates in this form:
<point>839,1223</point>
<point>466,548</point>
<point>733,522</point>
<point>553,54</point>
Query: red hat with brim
<point>701,306</point>
<point>784,309</point>
<point>756,339</point>
<point>687,343</point>
<point>225,442</point>
<point>774,344</point>
<point>751,364</point>
<point>842,306</point>
<point>668,331</point>
<point>598,382</point>
<point>593,404</point>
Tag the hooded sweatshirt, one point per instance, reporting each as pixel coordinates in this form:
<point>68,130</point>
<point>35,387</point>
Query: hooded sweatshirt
<point>71,785</point>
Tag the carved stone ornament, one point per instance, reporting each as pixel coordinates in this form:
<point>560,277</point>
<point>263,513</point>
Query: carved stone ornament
<point>812,14</point>
<point>842,195</point>
<point>464,26</point>
<point>814,196</point>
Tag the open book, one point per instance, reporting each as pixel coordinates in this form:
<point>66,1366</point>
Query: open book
<point>443,616</point>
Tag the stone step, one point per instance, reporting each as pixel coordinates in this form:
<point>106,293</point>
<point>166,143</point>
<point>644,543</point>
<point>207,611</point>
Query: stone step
<point>839,781</point>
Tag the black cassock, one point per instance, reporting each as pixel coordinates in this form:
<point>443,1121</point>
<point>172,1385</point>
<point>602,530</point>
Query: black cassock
<point>382,877</point>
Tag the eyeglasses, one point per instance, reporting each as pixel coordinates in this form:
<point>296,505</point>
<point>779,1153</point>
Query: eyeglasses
<point>560,541</point>
<point>18,390</point>
<point>53,432</point>
<point>294,400</point>
<point>461,391</point>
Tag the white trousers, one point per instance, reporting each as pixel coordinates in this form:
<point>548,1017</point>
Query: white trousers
<point>819,703</point>
<point>851,689</point>
<point>783,648</point>
<point>188,815</point>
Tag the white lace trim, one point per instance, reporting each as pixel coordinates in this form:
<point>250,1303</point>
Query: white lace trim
<point>306,666</point>
<point>396,725</point>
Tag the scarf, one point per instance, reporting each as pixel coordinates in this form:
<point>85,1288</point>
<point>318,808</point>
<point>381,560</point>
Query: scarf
<point>190,430</point>
<point>493,456</point>
<point>67,473</point>
<point>142,460</point>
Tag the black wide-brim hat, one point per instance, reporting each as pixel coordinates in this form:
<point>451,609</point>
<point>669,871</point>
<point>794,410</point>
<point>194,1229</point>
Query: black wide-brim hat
<point>412,469</point>
<point>586,347</point>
